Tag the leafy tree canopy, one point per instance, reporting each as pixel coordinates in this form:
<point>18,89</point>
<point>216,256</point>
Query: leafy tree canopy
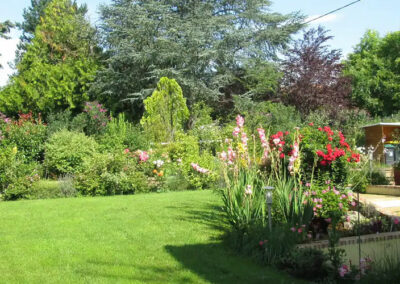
<point>58,65</point>
<point>313,75</point>
<point>202,44</point>
<point>374,67</point>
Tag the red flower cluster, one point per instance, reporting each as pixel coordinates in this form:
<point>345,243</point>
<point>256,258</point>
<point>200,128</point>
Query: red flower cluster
<point>331,156</point>
<point>277,141</point>
<point>354,158</point>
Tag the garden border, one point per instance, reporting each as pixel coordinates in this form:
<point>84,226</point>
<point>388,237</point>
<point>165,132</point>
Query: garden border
<point>353,240</point>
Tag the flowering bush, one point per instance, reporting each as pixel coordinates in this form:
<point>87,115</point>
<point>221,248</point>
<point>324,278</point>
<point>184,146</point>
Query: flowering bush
<point>97,118</point>
<point>27,134</point>
<point>326,155</point>
<point>329,203</point>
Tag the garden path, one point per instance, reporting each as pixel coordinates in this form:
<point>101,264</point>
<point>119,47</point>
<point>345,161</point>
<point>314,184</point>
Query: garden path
<point>386,204</point>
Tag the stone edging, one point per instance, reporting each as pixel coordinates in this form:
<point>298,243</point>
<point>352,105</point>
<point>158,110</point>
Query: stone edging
<point>383,189</point>
<point>354,240</point>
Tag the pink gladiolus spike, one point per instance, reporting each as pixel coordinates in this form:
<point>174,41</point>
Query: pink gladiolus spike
<point>239,121</point>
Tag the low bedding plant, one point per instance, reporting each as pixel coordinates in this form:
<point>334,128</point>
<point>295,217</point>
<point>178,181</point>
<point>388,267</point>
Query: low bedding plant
<point>309,170</point>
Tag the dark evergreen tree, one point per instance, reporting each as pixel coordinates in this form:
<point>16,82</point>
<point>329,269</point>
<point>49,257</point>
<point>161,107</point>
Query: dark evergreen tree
<point>204,45</point>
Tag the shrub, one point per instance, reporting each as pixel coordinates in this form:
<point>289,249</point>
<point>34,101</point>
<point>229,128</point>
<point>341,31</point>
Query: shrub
<point>64,120</point>
<point>66,150</point>
<point>16,177</point>
<point>204,128</point>
<point>121,134</point>
<point>67,188</point>
<point>378,178</point>
<point>306,263</point>
<point>97,118</point>
<point>27,134</point>
<point>184,152</point>
<point>110,174</point>
<point>45,189</point>
<point>273,116</point>
<point>326,155</point>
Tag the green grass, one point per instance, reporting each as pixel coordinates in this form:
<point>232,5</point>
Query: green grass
<point>148,238</point>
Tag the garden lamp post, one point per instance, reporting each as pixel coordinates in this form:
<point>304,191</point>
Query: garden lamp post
<point>268,198</point>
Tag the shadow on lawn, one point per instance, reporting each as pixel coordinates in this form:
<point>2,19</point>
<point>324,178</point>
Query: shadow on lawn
<point>214,263</point>
<point>210,215</point>
<point>132,272</point>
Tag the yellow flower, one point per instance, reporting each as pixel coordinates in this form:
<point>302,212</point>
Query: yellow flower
<point>15,150</point>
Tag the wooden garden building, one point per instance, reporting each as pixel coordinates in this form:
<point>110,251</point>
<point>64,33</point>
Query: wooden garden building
<point>384,137</point>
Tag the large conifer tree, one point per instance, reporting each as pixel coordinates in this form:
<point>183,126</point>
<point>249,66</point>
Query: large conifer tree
<point>59,63</point>
<point>201,44</point>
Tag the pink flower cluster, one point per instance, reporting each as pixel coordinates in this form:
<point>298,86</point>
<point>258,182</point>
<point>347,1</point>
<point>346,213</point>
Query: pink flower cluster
<point>143,156</point>
<point>239,125</point>
<point>4,118</point>
<point>343,270</point>
<point>264,142</point>
<point>261,243</point>
<point>293,157</point>
<point>229,156</point>
<point>299,230</point>
<point>238,129</point>
<point>199,169</point>
<point>318,202</point>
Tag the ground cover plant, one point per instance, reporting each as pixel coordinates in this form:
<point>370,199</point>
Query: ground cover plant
<point>150,238</point>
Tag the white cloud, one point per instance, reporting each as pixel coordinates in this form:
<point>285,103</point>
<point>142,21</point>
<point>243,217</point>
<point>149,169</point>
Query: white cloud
<point>325,19</point>
<point>7,51</point>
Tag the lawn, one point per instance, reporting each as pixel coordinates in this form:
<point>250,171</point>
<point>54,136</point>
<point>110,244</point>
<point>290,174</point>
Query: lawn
<point>152,238</point>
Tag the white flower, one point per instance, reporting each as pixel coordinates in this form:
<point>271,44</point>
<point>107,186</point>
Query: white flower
<point>158,163</point>
<point>248,190</point>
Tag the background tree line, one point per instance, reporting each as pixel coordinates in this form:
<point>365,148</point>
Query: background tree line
<point>231,55</point>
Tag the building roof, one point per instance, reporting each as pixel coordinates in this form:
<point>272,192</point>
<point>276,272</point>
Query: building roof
<point>383,124</point>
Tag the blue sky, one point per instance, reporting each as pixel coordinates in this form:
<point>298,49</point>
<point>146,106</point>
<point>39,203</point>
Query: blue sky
<point>347,25</point>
